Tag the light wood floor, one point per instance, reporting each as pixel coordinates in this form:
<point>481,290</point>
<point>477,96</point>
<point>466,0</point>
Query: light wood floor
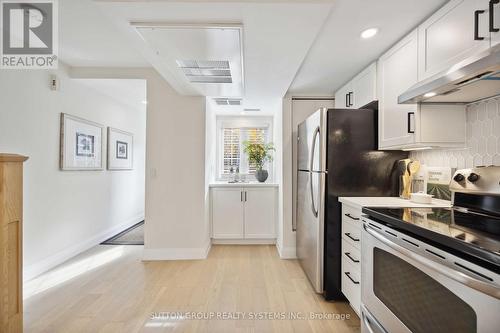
<point>109,289</point>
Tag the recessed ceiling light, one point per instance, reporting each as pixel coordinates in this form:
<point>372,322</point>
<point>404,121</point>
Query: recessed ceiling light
<point>430,94</point>
<point>369,33</point>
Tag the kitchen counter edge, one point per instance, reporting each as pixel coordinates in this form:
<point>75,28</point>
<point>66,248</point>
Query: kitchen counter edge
<point>214,185</point>
<point>388,202</point>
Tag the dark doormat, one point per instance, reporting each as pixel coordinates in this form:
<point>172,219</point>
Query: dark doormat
<point>131,236</point>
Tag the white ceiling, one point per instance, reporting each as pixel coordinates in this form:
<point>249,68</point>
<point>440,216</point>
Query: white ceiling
<point>339,52</point>
<point>306,47</point>
<point>276,36</point>
<point>127,92</point>
<point>88,38</point>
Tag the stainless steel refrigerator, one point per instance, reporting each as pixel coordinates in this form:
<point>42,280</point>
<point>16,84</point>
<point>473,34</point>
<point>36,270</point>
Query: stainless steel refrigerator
<point>337,156</point>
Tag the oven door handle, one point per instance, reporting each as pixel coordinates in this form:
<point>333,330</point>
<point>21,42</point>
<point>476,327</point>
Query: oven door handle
<point>484,287</point>
<point>368,320</point>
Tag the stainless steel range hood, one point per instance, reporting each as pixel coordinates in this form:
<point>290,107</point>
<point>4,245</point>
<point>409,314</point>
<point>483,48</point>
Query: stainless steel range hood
<point>469,81</point>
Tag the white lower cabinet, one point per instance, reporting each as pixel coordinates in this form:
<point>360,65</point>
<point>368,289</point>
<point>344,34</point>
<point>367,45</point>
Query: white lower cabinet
<point>240,213</point>
<point>260,213</point>
<point>351,255</point>
<point>227,213</point>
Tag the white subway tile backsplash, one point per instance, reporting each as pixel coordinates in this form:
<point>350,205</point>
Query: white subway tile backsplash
<point>483,140</point>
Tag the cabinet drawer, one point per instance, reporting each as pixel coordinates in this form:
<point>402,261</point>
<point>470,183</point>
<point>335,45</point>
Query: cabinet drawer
<point>352,233</point>
<point>351,214</point>
<point>352,255</point>
<point>351,284</point>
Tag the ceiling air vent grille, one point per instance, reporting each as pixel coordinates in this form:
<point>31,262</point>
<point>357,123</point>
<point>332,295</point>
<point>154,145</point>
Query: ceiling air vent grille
<point>206,71</point>
<point>227,101</point>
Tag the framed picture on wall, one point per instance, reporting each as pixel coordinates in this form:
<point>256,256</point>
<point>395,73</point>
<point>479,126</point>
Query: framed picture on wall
<point>120,149</point>
<point>80,144</point>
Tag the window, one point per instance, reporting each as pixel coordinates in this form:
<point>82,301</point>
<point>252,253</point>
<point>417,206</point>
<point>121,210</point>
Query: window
<point>232,132</point>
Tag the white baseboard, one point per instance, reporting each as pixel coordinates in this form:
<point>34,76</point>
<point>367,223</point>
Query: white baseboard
<point>286,252</point>
<point>244,241</point>
<point>33,270</point>
<point>176,253</point>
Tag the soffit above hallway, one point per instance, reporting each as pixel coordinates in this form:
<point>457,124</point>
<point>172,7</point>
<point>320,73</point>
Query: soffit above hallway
<point>275,38</point>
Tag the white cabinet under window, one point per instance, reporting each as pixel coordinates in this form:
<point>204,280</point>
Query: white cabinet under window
<point>244,213</point>
<point>227,215</point>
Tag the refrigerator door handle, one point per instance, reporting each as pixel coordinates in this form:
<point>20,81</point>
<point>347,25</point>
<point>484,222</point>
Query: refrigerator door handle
<point>311,164</point>
<point>313,204</point>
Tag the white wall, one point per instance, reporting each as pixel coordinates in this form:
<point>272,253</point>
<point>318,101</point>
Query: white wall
<point>483,140</point>
<point>66,212</point>
<point>286,237</point>
<point>176,225</point>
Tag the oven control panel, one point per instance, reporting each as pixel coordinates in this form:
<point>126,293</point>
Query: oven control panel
<point>484,180</point>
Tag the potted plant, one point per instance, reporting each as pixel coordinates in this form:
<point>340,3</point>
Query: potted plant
<point>258,154</point>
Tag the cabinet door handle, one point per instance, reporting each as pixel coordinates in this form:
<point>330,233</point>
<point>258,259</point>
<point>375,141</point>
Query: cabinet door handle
<point>352,217</point>
<point>348,255</point>
<point>492,15</point>
<point>241,196</point>
<point>348,234</point>
<point>411,129</point>
<point>476,24</point>
<point>346,100</point>
<point>245,196</point>
<point>350,100</point>
<point>350,277</point>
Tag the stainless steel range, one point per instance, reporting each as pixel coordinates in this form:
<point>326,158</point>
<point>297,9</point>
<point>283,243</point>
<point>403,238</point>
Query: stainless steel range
<point>428,270</point>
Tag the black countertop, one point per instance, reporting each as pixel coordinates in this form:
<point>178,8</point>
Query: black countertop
<point>468,235</point>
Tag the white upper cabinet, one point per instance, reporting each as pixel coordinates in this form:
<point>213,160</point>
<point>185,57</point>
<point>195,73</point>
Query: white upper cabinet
<point>360,91</point>
<point>407,126</point>
<point>455,32</point>
<point>344,97</point>
<point>364,86</point>
<point>397,71</point>
<point>495,23</point>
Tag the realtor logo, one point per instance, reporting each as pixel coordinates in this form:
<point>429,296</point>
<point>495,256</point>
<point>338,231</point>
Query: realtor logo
<point>29,34</point>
